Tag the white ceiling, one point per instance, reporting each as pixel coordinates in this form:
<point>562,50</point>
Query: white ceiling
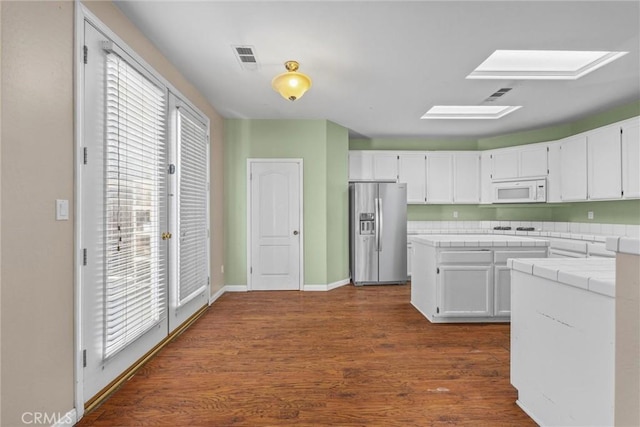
<point>378,66</point>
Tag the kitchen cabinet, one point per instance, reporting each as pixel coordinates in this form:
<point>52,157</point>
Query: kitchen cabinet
<point>465,291</point>
<point>466,177</point>
<point>533,160</point>
<point>604,163</point>
<point>502,277</point>
<point>523,162</point>
<point>385,166</point>
<point>360,165</point>
<point>553,179</point>
<point>505,164</point>
<point>502,290</point>
<point>409,256</point>
<point>412,171</point>
<point>631,158</point>
<point>464,278</point>
<point>573,168</point>
<point>439,177</point>
<point>486,189</point>
<point>373,165</point>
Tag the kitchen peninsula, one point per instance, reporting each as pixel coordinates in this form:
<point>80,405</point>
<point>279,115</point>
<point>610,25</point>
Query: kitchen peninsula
<point>464,277</point>
<point>563,340</point>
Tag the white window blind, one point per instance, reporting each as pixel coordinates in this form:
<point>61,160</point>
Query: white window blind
<point>192,209</point>
<point>135,204</point>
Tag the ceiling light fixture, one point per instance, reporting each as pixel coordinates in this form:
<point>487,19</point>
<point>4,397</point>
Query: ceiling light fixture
<point>542,64</point>
<point>292,84</point>
<point>469,111</point>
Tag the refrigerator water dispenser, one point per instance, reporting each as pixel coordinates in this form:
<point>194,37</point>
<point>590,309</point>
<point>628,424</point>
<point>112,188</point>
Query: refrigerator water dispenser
<point>367,223</point>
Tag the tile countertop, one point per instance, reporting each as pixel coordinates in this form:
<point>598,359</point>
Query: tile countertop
<point>572,236</point>
<point>625,245</point>
<point>594,275</point>
<point>477,240</point>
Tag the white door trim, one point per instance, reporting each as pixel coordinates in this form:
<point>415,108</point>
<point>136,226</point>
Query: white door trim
<point>300,164</point>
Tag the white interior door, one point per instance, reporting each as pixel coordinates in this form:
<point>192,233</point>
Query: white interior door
<point>275,232</point>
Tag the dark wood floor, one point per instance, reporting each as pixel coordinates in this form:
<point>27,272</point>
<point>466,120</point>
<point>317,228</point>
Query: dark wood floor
<point>348,357</point>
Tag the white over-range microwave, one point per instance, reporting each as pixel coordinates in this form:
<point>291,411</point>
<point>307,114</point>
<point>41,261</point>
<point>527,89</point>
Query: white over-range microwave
<point>524,191</point>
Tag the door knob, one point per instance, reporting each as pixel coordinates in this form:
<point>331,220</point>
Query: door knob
<point>166,236</point>
<point>295,232</point>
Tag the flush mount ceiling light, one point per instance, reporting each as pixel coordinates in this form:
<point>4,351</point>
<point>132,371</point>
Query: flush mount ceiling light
<point>292,84</point>
<point>469,111</point>
<point>542,64</point>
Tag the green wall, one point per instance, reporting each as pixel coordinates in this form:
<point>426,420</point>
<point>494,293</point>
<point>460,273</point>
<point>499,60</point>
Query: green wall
<point>417,144</point>
<point>337,203</point>
<point>314,141</point>
<point>615,212</point>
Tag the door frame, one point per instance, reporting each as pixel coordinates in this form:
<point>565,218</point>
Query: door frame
<point>300,163</point>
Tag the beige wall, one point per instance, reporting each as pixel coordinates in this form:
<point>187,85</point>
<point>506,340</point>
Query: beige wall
<point>36,169</point>
<point>627,383</point>
<point>0,215</point>
<point>37,163</point>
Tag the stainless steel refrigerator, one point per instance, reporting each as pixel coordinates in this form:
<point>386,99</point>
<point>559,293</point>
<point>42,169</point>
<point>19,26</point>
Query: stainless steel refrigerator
<point>378,232</point>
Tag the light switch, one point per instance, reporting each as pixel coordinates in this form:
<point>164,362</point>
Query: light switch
<point>62,210</point>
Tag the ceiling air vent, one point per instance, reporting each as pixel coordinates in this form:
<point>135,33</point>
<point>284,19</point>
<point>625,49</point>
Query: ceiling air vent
<point>497,94</point>
<point>246,57</point>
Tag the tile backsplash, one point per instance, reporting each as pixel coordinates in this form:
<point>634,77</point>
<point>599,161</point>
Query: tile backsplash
<point>559,227</point>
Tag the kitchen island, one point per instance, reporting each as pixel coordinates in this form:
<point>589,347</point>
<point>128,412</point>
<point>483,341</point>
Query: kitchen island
<point>563,339</point>
<point>465,278</point>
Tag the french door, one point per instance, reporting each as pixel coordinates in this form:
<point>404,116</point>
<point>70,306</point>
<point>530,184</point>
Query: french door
<point>143,212</point>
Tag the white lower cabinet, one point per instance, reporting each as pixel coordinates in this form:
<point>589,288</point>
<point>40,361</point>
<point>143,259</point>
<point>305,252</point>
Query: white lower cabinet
<point>502,290</point>
<point>409,256</point>
<point>451,284</point>
<point>465,291</point>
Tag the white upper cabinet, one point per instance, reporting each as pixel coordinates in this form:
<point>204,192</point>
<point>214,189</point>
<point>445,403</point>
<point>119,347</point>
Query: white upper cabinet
<point>486,193</point>
<point>604,180</point>
<point>360,165</point>
<point>533,160</point>
<point>631,158</point>
<point>412,171</point>
<point>466,177</point>
<point>373,165</point>
<point>528,161</point>
<point>600,164</point>
<point>573,168</point>
<point>553,179</point>
<point>385,165</point>
<point>439,177</point>
<point>505,164</point>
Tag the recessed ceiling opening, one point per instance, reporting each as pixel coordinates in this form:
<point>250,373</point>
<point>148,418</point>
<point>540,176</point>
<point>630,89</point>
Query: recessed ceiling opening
<point>542,64</point>
<point>469,111</point>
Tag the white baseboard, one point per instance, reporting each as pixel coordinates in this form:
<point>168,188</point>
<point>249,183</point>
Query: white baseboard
<point>307,287</point>
<point>314,288</point>
<point>217,295</point>
<point>235,288</point>
<point>68,419</point>
<point>325,288</point>
<point>338,284</point>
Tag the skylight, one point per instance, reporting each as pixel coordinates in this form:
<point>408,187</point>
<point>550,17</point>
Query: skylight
<point>469,111</point>
<point>542,64</point>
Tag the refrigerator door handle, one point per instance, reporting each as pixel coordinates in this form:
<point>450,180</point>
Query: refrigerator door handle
<point>381,225</point>
<point>376,224</point>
